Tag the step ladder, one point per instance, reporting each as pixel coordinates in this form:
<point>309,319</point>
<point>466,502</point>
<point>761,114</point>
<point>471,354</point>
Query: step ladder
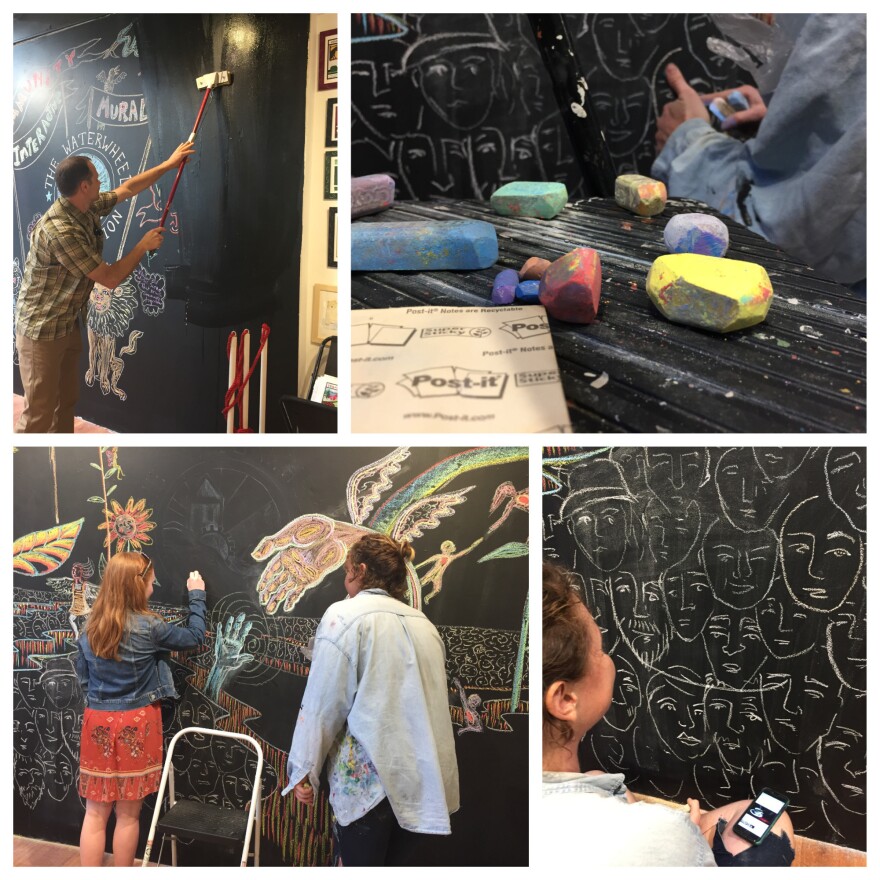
<point>207,822</point>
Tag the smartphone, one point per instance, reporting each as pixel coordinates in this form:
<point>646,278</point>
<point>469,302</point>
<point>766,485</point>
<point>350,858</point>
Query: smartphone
<point>755,823</point>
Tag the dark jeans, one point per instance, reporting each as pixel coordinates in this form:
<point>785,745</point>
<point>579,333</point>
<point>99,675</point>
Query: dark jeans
<point>775,852</point>
<point>375,839</point>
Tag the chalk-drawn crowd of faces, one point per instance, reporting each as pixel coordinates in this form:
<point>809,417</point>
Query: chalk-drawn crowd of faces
<point>460,105</point>
<point>730,584</point>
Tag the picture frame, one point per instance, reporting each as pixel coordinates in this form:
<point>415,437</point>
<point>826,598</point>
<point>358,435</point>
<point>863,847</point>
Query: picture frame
<point>326,390</point>
<point>331,175</point>
<point>328,62</point>
<point>331,238</point>
<point>324,314</point>
<point>331,134</point>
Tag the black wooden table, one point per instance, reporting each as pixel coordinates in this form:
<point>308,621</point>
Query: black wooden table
<point>801,370</point>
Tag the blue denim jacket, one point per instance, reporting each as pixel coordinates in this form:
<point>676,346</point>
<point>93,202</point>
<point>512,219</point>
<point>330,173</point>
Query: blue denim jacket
<point>378,674</point>
<point>142,674</point>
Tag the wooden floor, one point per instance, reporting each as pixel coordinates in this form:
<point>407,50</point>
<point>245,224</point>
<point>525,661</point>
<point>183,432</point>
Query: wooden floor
<point>30,853</point>
<point>80,426</point>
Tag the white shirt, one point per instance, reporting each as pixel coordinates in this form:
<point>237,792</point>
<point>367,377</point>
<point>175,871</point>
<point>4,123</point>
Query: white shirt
<point>379,674</point>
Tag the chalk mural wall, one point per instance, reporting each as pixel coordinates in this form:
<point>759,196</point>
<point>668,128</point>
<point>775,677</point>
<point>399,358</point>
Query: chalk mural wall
<point>268,529</point>
<point>121,90</point>
<point>457,105</point>
<point>730,587</point>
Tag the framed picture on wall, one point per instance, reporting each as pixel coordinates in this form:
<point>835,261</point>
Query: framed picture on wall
<point>324,321</point>
<point>331,175</point>
<point>331,137</point>
<point>331,239</point>
<point>327,60</point>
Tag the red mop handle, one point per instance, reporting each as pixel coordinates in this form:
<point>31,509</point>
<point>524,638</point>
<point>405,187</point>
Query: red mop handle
<point>192,137</point>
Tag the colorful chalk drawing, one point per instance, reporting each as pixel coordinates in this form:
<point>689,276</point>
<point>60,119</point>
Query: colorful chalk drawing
<point>730,588</point>
<point>74,105</point>
<point>254,636</point>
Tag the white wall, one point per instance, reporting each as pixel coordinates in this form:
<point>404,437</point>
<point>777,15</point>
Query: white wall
<point>313,262</point>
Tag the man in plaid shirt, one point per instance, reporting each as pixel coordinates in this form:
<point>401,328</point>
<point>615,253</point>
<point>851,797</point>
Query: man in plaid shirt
<point>62,266</point>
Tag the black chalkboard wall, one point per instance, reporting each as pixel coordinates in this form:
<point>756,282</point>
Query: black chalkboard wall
<point>730,587</point>
<point>457,105</point>
<point>465,511</point>
<point>121,89</point>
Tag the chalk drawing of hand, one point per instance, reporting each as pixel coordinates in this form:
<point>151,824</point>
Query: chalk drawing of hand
<point>228,657</point>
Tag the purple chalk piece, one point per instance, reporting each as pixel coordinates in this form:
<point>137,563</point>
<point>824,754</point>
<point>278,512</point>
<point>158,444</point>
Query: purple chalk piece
<point>527,291</point>
<point>696,234</point>
<point>504,287</point>
<point>371,194</point>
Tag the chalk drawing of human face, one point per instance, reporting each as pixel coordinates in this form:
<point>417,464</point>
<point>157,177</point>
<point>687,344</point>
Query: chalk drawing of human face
<point>787,629</point>
<point>846,473</point>
<point>736,724</point>
<point>627,696</point>
<point>459,84</point>
<point>625,114</point>
<point>59,776</point>
<point>621,50</point>
<point>640,615</point>
<point>733,646</point>
<point>689,599</point>
<point>599,528</point>
<point>740,565</point>
<point>788,701</point>
<point>416,162</point>
<point>842,766</point>
<point>846,638</point>
<point>488,158</point>
<point>780,462</point>
<point>673,531</point>
<point>633,466</point>
<point>822,555</point>
<point>674,475</point>
<point>678,714</point>
<point>749,499</point>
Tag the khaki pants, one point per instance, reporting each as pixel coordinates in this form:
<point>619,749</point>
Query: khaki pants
<point>49,371</point>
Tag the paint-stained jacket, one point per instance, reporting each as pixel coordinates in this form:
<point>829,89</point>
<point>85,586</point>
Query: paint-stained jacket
<point>378,675</point>
<point>801,181</point>
<point>142,674</point>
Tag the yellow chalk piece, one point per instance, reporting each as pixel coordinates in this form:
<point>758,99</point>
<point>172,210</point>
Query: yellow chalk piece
<point>641,195</point>
<point>710,292</point>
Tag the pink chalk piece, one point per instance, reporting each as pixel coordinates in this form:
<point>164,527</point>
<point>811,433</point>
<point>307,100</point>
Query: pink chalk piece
<point>371,194</point>
<point>533,269</point>
<point>570,288</point>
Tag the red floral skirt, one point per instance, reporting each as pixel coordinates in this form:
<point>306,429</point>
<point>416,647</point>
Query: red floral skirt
<point>120,756</point>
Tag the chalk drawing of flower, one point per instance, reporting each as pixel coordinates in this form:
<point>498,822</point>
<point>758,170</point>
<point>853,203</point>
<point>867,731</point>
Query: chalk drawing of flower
<point>128,525</point>
<point>111,311</point>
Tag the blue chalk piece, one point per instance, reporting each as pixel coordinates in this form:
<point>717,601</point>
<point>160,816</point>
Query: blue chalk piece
<point>527,291</point>
<point>504,287</point>
<point>423,246</point>
<point>738,101</point>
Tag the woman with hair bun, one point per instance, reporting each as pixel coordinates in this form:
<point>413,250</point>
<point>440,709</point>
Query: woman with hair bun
<point>376,709</point>
<point>123,670</point>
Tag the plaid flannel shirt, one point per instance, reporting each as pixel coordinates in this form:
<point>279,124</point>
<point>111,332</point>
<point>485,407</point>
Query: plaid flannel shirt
<point>66,245</point>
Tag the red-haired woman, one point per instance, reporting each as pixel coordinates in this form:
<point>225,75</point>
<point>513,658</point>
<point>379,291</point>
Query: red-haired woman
<point>376,708</point>
<point>123,669</point>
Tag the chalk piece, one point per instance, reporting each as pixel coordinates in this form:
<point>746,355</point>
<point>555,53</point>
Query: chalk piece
<point>423,246</point>
<point>710,292</point>
<point>696,234</point>
<point>570,288</point>
<point>528,291</point>
<point>371,194</point>
<point>533,269</point>
<point>504,287</point>
<point>641,195</point>
<point>524,198</point>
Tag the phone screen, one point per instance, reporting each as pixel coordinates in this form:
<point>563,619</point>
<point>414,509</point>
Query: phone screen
<point>761,814</point>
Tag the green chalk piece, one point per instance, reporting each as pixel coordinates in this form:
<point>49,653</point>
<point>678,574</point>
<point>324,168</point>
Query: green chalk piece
<point>524,198</point>
<point>423,247</point>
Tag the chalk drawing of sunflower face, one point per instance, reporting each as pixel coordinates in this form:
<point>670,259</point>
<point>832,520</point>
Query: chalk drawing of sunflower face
<point>111,311</point>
